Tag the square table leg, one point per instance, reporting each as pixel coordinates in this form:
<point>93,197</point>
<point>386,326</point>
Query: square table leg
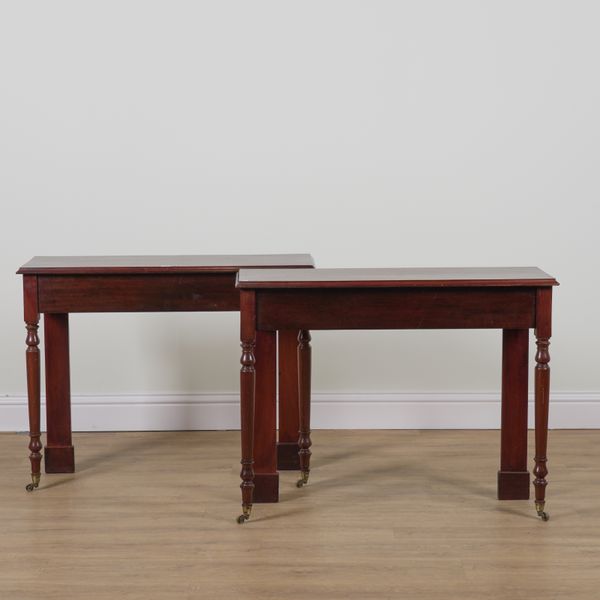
<point>289,426</point>
<point>266,477</point>
<point>513,477</point>
<point>59,455</point>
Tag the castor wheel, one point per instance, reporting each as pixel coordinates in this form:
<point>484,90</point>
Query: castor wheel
<point>246,510</point>
<point>303,479</point>
<point>539,507</point>
<point>35,481</point>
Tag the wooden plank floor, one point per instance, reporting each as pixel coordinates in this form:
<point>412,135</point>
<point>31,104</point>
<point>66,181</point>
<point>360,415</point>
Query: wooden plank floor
<point>387,514</point>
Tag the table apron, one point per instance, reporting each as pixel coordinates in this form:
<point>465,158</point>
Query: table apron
<point>400,308</point>
<point>138,293</point>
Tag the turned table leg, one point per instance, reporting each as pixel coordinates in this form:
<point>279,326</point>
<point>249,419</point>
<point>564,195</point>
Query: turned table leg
<point>32,360</point>
<point>542,398</point>
<point>304,441</point>
<point>59,454</point>
<point>247,385</point>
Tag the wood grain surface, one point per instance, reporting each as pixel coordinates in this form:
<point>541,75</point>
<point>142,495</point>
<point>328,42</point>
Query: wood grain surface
<point>387,514</point>
<point>57,265</point>
<point>403,277</point>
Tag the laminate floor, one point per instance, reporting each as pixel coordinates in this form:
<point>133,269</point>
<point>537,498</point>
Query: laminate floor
<point>387,514</point>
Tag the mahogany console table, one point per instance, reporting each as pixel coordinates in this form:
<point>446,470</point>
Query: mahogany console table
<point>56,286</point>
<point>512,299</point>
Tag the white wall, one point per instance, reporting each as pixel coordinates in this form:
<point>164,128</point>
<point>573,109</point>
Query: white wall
<point>425,133</point>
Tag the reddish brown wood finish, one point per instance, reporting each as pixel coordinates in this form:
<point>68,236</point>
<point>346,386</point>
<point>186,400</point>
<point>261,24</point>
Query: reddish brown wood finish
<point>393,278</point>
<point>59,454</point>
<point>57,286</point>
<point>247,387</point>
<point>136,265</point>
<point>138,293</point>
<point>513,476</point>
<point>428,308</point>
<point>543,332</point>
<point>32,360</point>
<point>289,424</point>
<point>514,300</point>
<point>266,477</point>
<point>304,377</point>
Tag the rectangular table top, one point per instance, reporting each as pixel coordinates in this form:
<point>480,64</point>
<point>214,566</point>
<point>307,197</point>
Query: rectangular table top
<point>97,265</point>
<point>388,278</point>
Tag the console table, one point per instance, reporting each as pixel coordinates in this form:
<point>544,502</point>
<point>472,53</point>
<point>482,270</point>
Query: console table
<point>56,286</point>
<point>511,299</point>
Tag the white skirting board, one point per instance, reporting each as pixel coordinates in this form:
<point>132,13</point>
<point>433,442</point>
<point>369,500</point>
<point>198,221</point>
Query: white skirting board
<point>218,411</point>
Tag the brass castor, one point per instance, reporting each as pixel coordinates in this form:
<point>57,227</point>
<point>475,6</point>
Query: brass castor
<point>246,510</point>
<point>35,482</point>
<point>303,479</point>
<point>539,507</point>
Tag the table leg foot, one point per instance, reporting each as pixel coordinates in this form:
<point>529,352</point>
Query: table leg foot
<point>287,456</point>
<point>303,479</point>
<point>246,510</point>
<point>35,482</point>
<point>59,459</point>
<point>513,485</point>
<point>266,488</point>
<point>539,507</point>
